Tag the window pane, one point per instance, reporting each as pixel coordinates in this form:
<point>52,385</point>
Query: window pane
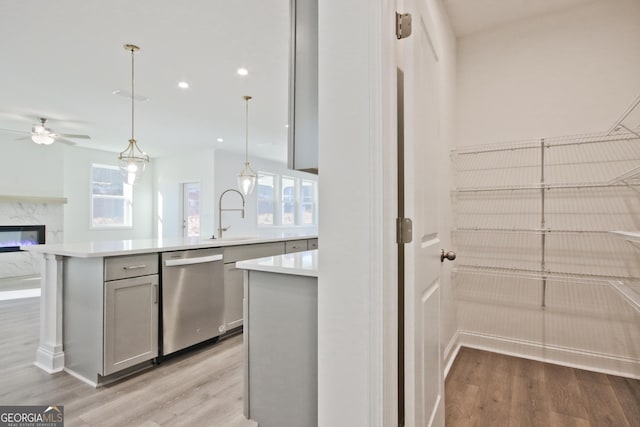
<point>108,211</point>
<point>307,214</point>
<point>111,198</point>
<point>107,181</point>
<point>266,193</point>
<point>265,212</point>
<point>288,201</point>
<point>307,193</point>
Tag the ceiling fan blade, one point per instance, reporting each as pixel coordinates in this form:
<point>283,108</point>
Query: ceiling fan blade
<point>14,131</point>
<point>71,135</point>
<point>65,141</point>
<point>24,138</point>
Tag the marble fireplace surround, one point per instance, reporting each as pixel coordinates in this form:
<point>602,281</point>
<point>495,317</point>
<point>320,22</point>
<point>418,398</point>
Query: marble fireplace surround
<point>29,210</point>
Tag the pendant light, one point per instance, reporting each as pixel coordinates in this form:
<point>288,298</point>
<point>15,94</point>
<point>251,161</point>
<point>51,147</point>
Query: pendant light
<point>247,177</point>
<point>132,160</point>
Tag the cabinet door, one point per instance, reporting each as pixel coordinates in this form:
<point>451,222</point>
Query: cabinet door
<point>233,294</point>
<point>130,322</point>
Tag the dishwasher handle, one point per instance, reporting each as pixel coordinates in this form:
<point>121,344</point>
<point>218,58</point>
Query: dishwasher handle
<point>190,261</point>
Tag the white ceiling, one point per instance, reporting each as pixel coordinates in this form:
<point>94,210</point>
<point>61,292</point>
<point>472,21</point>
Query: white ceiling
<point>63,59</point>
<point>471,16</point>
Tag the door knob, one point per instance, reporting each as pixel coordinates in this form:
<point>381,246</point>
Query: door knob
<point>450,255</point>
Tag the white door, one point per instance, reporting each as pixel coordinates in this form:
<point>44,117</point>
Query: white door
<point>424,387</point>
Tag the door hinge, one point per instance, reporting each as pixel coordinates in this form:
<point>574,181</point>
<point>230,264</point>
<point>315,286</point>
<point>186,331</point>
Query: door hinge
<point>404,230</point>
<point>403,25</point>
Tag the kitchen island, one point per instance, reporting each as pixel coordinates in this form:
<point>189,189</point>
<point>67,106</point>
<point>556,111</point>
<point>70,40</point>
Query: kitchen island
<point>281,339</point>
<point>75,293</point>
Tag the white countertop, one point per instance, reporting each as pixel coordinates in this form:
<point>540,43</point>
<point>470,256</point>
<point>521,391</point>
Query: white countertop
<point>297,263</point>
<point>141,246</point>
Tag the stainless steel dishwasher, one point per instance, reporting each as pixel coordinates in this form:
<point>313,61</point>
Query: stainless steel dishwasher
<point>192,297</point>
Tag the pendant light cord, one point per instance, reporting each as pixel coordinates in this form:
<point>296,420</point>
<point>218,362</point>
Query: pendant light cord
<point>132,94</point>
<point>246,131</point>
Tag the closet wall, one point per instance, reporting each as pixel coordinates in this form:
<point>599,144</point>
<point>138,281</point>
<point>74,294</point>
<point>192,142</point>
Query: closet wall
<point>538,273</point>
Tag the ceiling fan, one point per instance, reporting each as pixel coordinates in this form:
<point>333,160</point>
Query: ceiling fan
<point>41,134</point>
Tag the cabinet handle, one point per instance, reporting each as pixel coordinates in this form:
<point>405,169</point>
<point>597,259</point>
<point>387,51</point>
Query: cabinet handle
<point>155,294</point>
<point>134,267</point>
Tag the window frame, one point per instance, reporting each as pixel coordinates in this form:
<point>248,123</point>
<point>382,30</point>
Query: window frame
<point>278,202</point>
<point>273,200</point>
<point>127,197</point>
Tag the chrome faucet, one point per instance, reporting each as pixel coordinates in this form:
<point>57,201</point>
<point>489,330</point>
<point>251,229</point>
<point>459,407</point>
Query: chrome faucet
<point>220,210</point>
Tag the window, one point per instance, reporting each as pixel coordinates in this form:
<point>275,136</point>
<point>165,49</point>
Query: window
<point>286,201</point>
<point>266,199</point>
<point>111,198</point>
<point>308,202</point>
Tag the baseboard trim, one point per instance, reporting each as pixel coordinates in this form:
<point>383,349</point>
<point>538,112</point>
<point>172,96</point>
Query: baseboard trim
<point>451,352</point>
<point>591,361</point>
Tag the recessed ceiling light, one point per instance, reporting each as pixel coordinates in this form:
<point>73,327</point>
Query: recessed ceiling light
<point>287,126</point>
<point>220,140</point>
<point>243,71</point>
<point>183,85</point>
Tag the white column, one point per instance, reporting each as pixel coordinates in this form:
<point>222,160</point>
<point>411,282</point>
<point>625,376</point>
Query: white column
<point>50,356</point>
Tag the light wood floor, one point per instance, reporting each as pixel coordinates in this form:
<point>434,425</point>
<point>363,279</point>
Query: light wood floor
<point>203,389</point>
<point>490,389</point>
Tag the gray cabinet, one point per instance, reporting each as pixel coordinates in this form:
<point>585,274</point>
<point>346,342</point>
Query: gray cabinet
<point>281,350</point>
<point>234,279</point>
<point>295,246</point>
<point>312,244</point>
<point>303,86</point>
<point>233,294</point>
<point>110,315</point>
<point>130,322</point>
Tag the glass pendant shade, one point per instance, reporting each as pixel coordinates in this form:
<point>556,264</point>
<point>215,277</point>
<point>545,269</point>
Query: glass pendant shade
<point>247,179</point>
<point>132,162</point>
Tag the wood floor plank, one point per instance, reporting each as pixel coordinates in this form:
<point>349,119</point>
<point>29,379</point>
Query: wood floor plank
<point>597,377</point>
<point>602,405</point>
<point>562,387</point>
<point>459,403</point>
<point>529,403</point>
<point>627,391</point>
<point>562,420</point>
<point>468,366</point>
<point>492,407</point>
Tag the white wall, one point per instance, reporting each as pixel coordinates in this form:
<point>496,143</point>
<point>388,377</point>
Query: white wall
<point>77,189</point>
<point>565,73</point>
<point>228,166</point>
<point>29,169</point>
<point>217,171</point>
<point>170,173</point>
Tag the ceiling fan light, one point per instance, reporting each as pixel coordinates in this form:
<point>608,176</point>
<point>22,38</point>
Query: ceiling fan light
<point>42,138</point>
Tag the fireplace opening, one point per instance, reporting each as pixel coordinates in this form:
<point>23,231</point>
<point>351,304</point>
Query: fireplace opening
<point>14,236</point>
